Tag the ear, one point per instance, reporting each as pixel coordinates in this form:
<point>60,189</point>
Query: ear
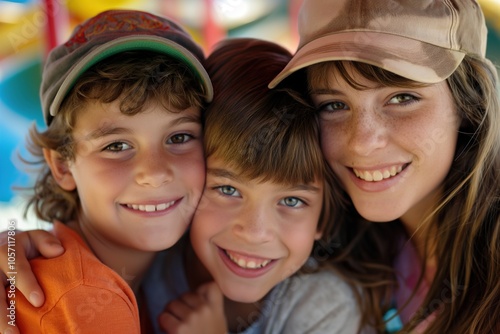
<point>318,235</point>
<point>60,169</point>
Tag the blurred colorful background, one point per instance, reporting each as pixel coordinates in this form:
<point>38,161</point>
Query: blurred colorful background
<point>30,28</point>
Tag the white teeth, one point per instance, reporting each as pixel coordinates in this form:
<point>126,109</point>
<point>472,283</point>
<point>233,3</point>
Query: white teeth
<point>162,206</point>
<point>150,207</point>
<point>378,175</point>
<point>251,264</point>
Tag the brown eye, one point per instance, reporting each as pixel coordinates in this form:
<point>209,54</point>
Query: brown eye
<point>117,147</point>
<point>333,106</point>
<point>179,138</point>
<point>402,99</point>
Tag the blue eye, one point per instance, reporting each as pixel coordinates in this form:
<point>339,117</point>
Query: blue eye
<point>292,202</point>
<point>228,191</point>
<point>117,147</point>
<point>179,138</point>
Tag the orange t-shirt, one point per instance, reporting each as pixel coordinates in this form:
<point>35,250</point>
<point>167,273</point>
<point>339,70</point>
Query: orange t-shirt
<point>82,295</point>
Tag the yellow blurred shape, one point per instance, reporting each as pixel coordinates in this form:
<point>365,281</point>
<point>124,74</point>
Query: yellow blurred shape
<point>491,9</point>
<point>87,9</point>
<point>26,31</point>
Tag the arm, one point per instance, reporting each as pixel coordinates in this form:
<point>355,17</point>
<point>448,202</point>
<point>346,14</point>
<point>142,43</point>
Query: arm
<point>196,312</point>
<point>20,248</point>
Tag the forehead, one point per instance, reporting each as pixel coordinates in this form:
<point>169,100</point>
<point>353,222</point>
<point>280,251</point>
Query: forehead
<point>113,111</point>
<point>96,120</point>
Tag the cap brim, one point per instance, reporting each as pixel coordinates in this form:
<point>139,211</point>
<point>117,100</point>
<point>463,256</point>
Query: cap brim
<point>131,43</point>
<point>406,57</point>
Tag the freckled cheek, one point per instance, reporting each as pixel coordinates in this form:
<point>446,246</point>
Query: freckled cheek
<point>201,228</point>
<point>302,229</point>
<point>212,215</point>
<point>207,224</point>
<point>299,243</point>
<point>331,142</point>
<point>193,168</point>
<point>100,173</point>
<point>439,139</point>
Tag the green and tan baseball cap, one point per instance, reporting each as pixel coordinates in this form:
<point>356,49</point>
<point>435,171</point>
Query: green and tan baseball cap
<point>422,40</point>
<point>107,34</point>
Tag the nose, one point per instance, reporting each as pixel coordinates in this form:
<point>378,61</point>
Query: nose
<point>154,168</point>
<point>254,225</point>
<point>366,131</point>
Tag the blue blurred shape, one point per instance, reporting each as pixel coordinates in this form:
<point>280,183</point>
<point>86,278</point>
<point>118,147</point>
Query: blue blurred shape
<point>19,109</point>
<point>393,322</point>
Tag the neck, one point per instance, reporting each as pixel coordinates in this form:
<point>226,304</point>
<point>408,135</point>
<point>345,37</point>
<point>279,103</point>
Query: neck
<point>422,232</point>
<point>196,273</point>
<point>240,316</point>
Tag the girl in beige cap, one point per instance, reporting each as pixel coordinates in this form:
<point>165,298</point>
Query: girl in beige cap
<point>410,123</point>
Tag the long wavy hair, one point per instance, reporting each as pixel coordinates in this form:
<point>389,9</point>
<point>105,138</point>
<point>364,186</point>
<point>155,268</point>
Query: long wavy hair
<point>465,292</point>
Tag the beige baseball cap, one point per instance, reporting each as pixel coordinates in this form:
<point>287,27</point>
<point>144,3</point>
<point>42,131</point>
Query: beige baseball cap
<point>422,40</point>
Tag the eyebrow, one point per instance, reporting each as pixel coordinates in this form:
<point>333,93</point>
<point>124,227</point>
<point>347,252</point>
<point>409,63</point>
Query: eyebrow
<point>106,130</point>
<point>223,173</point>
<point>110,129</point>
<point>218,172</point>
<point>186,119</point>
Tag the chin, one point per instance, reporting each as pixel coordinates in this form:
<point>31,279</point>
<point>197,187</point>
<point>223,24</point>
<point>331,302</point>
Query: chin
<point>378,217</point>
<point>247,297</point>
<point>376,211</point>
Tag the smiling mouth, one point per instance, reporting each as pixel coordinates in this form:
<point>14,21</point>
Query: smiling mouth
<point>378,175</point>
<point>150,207</point>
<point>247,263</point>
